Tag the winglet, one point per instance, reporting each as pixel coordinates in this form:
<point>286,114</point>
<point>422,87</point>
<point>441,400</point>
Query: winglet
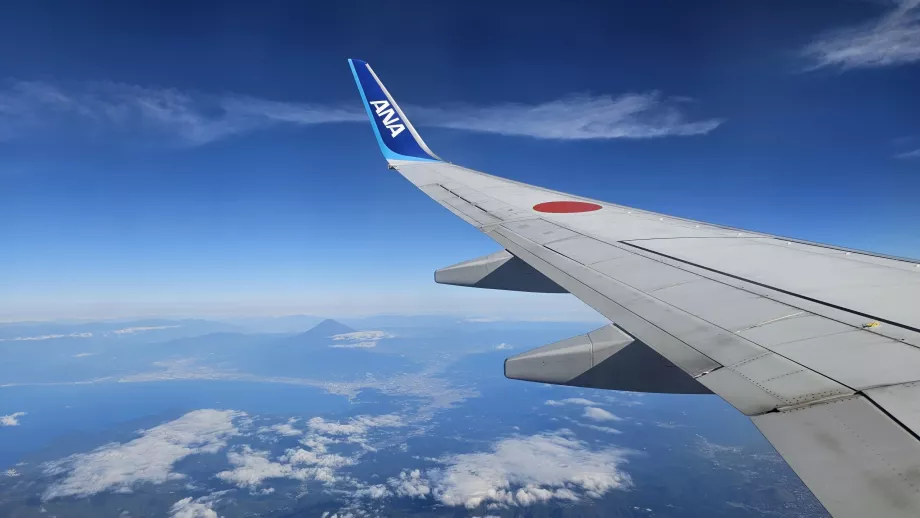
<point>397,138</point>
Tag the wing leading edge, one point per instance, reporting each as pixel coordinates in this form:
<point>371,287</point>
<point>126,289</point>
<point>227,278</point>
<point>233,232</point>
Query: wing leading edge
<point>819,345</point>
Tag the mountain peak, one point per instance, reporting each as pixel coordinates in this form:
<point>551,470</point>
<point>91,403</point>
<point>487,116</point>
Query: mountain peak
<point>328,328</point>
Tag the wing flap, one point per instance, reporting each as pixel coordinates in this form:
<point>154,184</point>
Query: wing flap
<point>856,460</point>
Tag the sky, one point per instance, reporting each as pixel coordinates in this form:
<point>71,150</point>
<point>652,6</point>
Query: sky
<point>213,158</point>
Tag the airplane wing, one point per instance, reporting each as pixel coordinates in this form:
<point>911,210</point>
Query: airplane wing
<point>819,345</point>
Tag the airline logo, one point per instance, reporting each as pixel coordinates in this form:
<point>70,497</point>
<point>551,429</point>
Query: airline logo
<point>388,117</point>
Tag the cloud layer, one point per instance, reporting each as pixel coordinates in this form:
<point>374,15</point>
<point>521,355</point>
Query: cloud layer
<point>359,339</point>
<point>571,401</point>
<point>195,507</point>
<point>114,332</point>
<point>599,414</point>
<point>251,468</point>
<point>12,419</point>
<point>892,39</point>
<point>106,109</point>
<point>149,458</point>
<point>522,471</point>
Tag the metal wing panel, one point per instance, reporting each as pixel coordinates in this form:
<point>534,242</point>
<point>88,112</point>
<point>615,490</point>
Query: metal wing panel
<point>878,290</point>
<point>776,326</point>
<point>858,359</point>
<point>583,286</point>
<point>728,324</point>
<point>750,390</point>
<point>586,251</point>
<point>855,459</point>
<point>901,401</point>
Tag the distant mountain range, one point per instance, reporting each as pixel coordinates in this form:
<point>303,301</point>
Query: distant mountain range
<point>44,352</point>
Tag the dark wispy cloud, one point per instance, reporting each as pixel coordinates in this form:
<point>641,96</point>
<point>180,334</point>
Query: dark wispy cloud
<point>115,109</point>
<point>892,39</point>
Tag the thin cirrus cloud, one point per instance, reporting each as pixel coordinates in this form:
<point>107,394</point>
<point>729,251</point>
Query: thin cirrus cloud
<point>29,107</point>
<point>892,39</point>
<point>908,155</point>
<point>582,117</point>
<point>193,119</point>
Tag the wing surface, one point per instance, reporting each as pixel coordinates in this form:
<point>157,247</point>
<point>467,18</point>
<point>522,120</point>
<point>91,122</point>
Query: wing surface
<point>818,345</point>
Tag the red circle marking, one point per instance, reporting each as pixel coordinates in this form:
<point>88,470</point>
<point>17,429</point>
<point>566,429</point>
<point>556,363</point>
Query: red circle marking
<point>566,207</point>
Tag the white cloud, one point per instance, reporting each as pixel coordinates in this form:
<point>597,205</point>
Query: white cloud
<point>355,426</point>
<point>605,429</point>
<point>503,346</point>
<point>892,39</point>
<point>32,338</point>
<point>410,484</point>
<point>359,339</point>
<point>252,467</point>
<point>317,458</point>
<point>521,471</point>
<point>599,414</point>
<point>286,429</point>
<point>374,492</point>
<point>909,154</point>
<point>362,335</point>
<point>629,116</point>
<point>317,442</point>
<point>571,401</point>
<point>12,419</point>
<point>149,458</point>
<point>116,332</point>
<point>106,109</point>
<point>83,355</point>
<point>354,345</point>
<point>196,507</point>
<point>140,329</point>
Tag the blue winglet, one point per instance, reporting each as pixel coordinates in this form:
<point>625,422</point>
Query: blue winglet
<point>397,138</point>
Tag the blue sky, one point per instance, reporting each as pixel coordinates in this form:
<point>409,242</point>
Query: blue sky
<point>212,159</point>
